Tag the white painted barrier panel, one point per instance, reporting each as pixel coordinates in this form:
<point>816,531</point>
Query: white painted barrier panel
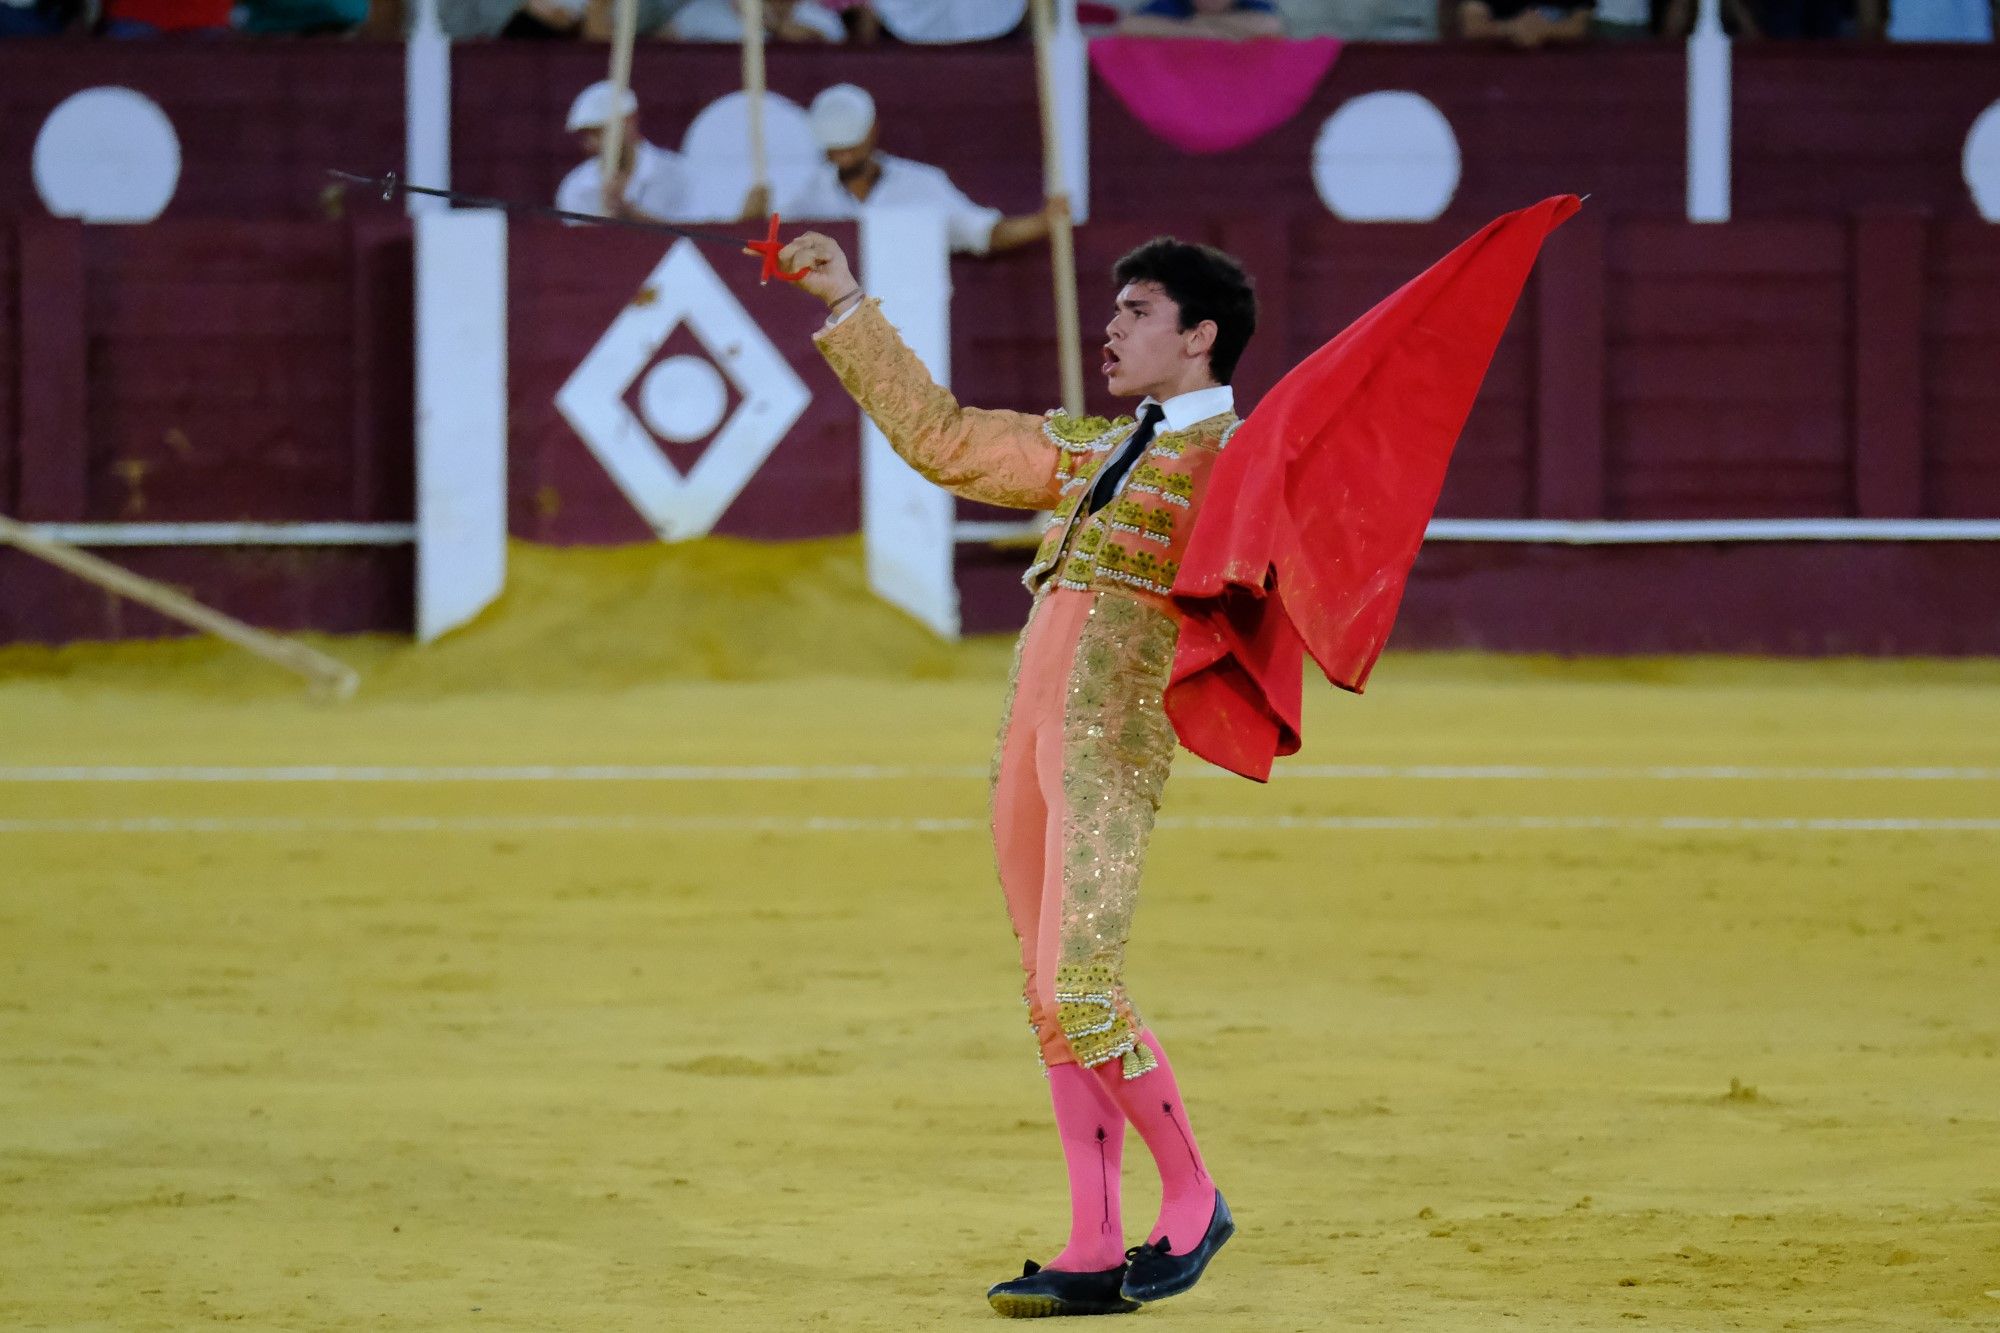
<point>461,426</point>
<point>427,110</point>
<point>905,260</point>
<point>1709,126</point>
<point>1072,89</point>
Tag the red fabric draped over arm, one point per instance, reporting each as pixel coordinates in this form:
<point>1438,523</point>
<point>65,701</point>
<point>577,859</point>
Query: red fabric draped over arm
<point>1315,511</point>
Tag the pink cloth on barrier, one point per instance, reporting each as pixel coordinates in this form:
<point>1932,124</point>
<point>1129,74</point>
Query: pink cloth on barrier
<point>1207,96</point>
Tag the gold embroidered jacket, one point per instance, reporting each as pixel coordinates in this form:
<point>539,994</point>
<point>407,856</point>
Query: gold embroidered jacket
<point>1023,461</point>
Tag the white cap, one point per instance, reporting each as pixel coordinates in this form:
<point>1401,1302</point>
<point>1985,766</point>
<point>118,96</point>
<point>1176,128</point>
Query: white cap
<point>842,116</point>
<point>592,106</point>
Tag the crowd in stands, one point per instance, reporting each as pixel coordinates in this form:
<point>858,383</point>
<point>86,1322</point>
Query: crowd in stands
<point>1524,24</point>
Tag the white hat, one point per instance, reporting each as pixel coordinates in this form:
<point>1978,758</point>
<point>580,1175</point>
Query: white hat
<point>592,106</point>
<point>842,116</point>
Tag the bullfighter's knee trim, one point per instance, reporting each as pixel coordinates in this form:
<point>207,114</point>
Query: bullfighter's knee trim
<point>1096,1020</point>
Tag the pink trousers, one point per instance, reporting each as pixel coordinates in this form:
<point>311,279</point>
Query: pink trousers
<point>1082,759</point>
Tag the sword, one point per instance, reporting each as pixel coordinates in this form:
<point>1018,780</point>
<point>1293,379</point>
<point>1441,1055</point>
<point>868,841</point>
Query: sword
<point>391,185</point>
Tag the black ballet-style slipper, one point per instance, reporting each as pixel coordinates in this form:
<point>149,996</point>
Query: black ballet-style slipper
<point>1153,1272</point>
<point>1042,1293</point>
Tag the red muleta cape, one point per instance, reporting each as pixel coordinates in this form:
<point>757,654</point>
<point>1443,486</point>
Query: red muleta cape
<point>1315,511</point>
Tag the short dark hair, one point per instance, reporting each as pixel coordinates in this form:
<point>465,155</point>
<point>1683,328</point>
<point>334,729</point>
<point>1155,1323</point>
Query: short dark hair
<point>1206,284</point>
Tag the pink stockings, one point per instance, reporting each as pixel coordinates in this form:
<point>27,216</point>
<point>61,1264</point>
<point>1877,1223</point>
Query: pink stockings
<point>1093,1143</point>
<point>1092,1107</point>
<point>1152,1104</point>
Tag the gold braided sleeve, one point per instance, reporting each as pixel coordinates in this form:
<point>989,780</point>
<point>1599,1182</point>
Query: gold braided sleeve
<point>997,458</point>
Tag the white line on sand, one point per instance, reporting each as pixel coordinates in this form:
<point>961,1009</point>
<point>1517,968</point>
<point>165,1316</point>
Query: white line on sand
<point>394,773</point>
<point>832,824</point>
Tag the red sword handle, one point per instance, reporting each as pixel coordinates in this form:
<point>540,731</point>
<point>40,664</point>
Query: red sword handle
<point>769,248</point>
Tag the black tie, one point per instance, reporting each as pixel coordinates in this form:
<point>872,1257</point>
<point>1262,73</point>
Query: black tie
<point>1114,472</point>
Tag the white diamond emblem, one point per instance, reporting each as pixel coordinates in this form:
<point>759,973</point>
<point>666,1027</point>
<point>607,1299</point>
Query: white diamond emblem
<point>593,399</point>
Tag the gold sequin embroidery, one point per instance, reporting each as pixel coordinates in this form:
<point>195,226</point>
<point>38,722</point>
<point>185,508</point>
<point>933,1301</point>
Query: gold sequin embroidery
<point>1093,433</point>
<point>1098,1021</point>
<point>1117,749</point>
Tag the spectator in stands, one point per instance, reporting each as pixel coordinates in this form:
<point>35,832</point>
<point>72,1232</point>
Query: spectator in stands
<point>1623,21</point>
<point>1738,19</point>
<point>651,183</point>
<point>856,173</point>
<point>165,18</point>
<point>1204,18</point>
<point>1526,24</point>
<point>929,22</point>
<point>1787,20</point>
<point>653,17</point>
<point>392,19</point>
<point>534,19</point>
<point>1819,19</point>
<point>301,18</point>
<point>1361,20</point>
<point>38,18</point>
<point>1943,20</point>
<point>784,20</point>
<point>863,24</point>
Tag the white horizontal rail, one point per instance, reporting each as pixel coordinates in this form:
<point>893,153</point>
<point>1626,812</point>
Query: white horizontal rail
<point>1634,532</point>
<point>996,530</point>
<point>1534,531</point>
<point>228,534</point>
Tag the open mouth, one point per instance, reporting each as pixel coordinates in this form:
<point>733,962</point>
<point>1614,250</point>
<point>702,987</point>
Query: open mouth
<point>1110,359</point>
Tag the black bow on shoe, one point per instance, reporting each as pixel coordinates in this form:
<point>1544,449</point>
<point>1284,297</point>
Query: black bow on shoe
<point>1154,1272</point>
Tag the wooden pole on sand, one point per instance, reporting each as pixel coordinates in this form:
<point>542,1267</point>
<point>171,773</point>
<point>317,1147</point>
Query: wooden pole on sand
<point>327,676</point>
<point>1062,235</point>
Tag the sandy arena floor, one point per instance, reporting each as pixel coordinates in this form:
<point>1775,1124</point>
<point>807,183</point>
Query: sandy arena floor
<point>737,1045</point>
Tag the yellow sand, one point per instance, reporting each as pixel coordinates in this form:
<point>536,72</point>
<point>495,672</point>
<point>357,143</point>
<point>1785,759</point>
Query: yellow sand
<point>352,1073</point>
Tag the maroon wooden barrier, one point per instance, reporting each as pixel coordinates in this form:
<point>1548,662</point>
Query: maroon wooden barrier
<point>1769,368</point>
<point>1820,128</point>
<point>1790,599</point>
<point>10,357</point>
<point>1825,129</point>
<point>49,467</point>
<point>209,372</point>
<point>1961,370</point>
<point>333,589</point>
<point>259,122</point>
<point>566,287</point>
<point>1606,121</point>
<point>224,362</point>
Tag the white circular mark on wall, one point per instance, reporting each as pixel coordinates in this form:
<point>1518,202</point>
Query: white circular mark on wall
<point>683,399</point>
<point>107,155</point>
<point>1386,157</point>
<point>1982,163</point>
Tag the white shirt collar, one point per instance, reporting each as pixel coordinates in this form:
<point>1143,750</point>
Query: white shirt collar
<point>1188,409</point>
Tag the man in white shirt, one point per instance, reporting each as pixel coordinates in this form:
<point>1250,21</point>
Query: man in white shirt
<point>651,183</point>
<point>784,21</point>
<point>942,21</point>
<point>856,174</point>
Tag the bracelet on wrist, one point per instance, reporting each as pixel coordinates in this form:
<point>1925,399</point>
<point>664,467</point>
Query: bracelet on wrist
<point>835,307</point>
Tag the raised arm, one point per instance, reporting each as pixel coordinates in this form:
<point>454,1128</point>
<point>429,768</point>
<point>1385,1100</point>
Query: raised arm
<point>997,458</point>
